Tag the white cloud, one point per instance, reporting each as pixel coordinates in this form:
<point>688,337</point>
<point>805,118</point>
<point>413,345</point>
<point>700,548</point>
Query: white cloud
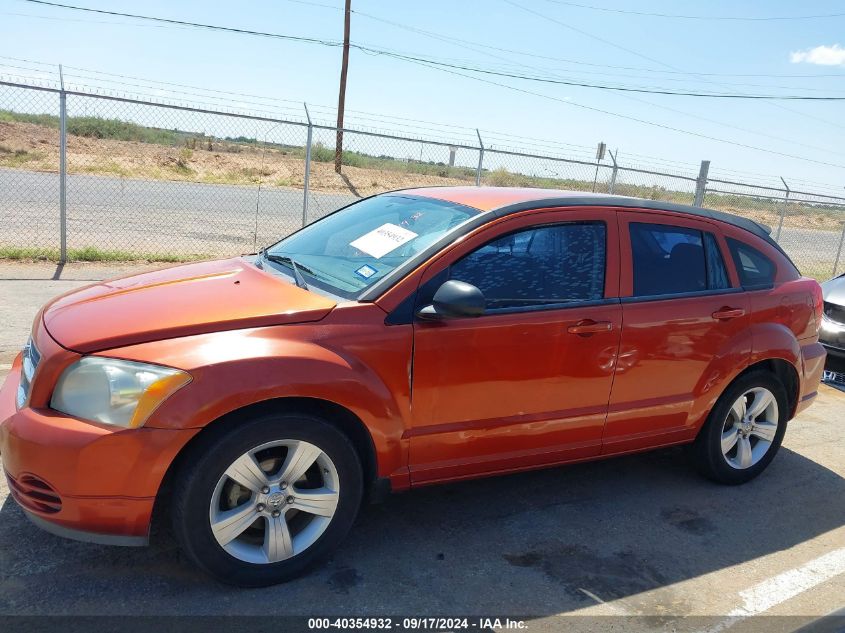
<point>820,55</point>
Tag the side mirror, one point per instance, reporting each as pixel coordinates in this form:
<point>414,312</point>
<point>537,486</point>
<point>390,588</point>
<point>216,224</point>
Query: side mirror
<point>454,299</point>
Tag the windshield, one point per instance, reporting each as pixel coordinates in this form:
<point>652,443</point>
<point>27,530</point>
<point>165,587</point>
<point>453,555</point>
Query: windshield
<point>348,251</point>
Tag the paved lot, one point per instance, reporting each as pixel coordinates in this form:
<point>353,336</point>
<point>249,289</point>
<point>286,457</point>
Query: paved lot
<point>639,535</point>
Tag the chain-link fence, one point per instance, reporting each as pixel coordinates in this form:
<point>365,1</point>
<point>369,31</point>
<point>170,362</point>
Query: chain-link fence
<point>29,164</point>
<point>809,227</point>
<point>140,179</point>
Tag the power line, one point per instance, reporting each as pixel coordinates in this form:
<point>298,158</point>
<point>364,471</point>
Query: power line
<point>378,51</point>
<point>642,121</point>
<point>459,41</point>
<point>638,120</point>
<point>473,46</point>
<point>438,65</point>
<point>697,17</point>
<point>585,33</point>
<point>657,61</point>
<point>380,118</point>
<point>62,19</point>
<point>732,126</point>
<point>210,27</point>
<point>678,93</point>
<point>453,40</point>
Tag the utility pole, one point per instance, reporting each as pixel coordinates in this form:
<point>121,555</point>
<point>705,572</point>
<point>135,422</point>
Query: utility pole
<point>341,99</point>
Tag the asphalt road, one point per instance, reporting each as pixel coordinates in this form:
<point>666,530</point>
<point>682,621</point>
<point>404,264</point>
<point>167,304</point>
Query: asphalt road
<point>159,216</point>
<point>152,216</point>
<point>635,536</point>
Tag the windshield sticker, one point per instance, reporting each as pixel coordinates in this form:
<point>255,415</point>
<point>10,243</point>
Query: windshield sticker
<point>381,241</point>
<point>366,271</point>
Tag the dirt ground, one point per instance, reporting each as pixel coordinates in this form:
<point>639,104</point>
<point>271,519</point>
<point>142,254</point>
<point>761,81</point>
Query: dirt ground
<point>131,159</point>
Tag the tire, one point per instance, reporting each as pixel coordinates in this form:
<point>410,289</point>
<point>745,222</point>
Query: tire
<point>757,441</point>
<point>294,524</point>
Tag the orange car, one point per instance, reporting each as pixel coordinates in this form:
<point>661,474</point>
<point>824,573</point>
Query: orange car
<point>414,337</point>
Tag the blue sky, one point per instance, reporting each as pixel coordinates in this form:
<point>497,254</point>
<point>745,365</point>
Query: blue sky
<point>378,84</point>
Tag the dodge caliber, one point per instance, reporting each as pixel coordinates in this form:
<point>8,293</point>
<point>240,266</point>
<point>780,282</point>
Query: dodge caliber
<point>414,337</point>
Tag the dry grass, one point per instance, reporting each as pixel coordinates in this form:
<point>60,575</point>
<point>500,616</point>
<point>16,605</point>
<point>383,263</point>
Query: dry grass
<point>133,159</point>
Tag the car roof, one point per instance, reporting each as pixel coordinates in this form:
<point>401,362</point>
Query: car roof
<point>493,198</point>
<point>503,200</point>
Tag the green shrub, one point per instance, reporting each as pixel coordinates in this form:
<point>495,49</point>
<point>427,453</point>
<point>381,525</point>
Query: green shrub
<point>501,177</point>
<point>48,120</point>
<point>89,254</point>
<point>321,153</point>
<point>96,127</point>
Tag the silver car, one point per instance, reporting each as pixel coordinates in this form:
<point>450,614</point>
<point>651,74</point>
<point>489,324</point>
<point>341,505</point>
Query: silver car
<point>832,331</point>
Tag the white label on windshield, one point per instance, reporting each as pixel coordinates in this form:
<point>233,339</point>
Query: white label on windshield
<point>381,241</point>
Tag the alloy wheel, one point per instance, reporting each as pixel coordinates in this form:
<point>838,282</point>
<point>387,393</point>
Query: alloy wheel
<point>274,501</point>
<point>750,428</point>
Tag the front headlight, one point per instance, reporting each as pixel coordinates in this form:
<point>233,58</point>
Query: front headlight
<point>112,391</point>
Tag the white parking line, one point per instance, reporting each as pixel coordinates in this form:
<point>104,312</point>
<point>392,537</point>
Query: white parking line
<point>777,589</point>
<point>612,608</point>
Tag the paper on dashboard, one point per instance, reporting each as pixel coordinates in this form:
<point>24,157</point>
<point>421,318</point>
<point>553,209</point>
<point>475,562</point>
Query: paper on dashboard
<point>379,242</point>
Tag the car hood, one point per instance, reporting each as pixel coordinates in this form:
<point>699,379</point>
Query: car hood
<point>834,290</point>
<point>191,299</point>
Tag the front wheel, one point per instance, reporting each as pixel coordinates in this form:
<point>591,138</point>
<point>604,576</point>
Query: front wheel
<point>744,430</point>
<point>264,501</point>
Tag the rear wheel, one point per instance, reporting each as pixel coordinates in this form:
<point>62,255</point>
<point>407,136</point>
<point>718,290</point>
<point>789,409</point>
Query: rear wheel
<point>744,430</point>
<point>262,503</point>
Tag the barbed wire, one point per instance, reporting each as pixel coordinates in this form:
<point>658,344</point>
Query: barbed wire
<point>233,103</point>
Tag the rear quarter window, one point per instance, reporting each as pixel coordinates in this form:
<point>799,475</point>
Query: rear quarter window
<point>755,269</point>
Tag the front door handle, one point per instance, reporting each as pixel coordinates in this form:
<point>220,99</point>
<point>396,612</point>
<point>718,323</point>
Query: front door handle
<point>728,313</point>
<point>588,326</point>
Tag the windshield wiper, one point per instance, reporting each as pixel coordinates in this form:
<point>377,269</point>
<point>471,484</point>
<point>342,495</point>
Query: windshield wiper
<point>286,260</point>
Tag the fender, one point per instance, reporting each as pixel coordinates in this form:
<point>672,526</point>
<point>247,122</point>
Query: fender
<point>729,361</point>
<point>769,341</point>
<point>351,360</point>
<point>775,341</point>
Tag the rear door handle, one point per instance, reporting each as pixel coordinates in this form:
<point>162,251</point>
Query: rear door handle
<point>728,313</point>
<point>589,326</point>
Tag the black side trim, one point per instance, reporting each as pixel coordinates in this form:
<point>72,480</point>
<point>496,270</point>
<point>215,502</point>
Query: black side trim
<point>552,306</point>
<point>683,295</point>
<point>403,314</point>
<point>88,537</point>
<point>756,287</point>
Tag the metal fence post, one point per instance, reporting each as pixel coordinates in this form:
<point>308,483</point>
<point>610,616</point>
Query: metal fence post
<point>307,179</point>
<point>480,159</point>
<point>62,169</point>
<point>839,250</point>
<point>782,209</point>
<point>701,183</point>
<point>614,172</point>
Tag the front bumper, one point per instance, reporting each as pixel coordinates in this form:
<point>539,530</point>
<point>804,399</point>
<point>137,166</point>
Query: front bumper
<point>832,336</point>
<point>82,480</point>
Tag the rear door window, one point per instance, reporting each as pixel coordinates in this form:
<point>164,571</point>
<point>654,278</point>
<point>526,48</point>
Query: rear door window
<point>671,259</point>
<point>755,269</point>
